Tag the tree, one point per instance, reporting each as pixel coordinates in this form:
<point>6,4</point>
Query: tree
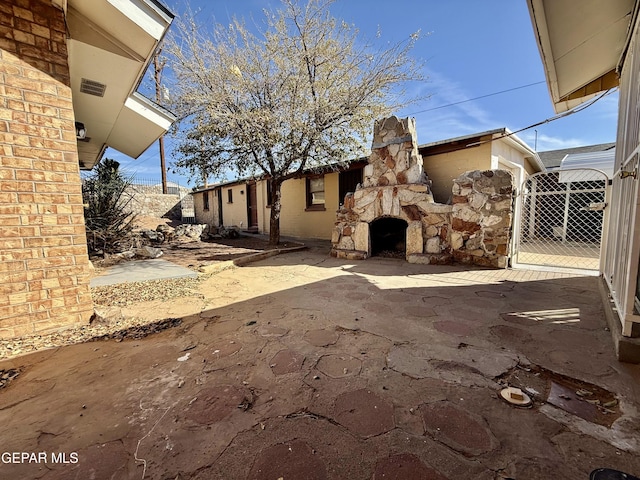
<point>299,95</point>
<point>108,219</point>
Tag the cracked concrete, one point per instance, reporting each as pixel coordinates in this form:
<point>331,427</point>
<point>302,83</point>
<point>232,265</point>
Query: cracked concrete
<point>304,366</point>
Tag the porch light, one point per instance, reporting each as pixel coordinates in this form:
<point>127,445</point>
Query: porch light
<point>81,132</point>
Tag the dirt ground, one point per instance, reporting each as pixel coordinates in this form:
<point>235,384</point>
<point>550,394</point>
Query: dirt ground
<point>302,366</point>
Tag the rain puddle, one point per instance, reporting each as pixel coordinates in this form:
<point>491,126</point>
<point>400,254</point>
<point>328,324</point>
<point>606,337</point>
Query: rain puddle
<point>585,400</point>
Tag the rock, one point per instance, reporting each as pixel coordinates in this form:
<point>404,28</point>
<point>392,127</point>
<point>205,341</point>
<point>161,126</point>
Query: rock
<point>192,231</point>
<point>167,231</point>
<point>228,232</point>
<point>106,315</point>
<point>148,252</point>
<point>153,236</point>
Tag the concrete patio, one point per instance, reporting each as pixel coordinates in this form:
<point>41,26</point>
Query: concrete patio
<point>302,366</point>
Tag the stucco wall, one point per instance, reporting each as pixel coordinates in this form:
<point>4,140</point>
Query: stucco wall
<point>296,221</point>
<point>210,217</point>
<point>44,267</point>
<point>443,168</point>
<point>235,213</point>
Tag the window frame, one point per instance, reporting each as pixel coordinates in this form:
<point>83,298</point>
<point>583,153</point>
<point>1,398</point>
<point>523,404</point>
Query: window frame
<point>310,206</point>
<point>230,195</point>
<point>205,200</point>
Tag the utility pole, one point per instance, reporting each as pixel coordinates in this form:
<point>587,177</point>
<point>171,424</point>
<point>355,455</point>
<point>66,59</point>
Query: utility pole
<point>158,66</point>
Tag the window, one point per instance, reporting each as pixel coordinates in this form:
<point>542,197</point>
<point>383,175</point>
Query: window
<point>230,195</point>
<point>205,199</point>
<point>315,193</point>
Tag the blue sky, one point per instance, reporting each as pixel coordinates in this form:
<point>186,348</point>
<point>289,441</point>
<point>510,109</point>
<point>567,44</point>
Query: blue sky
<point>470,49</point>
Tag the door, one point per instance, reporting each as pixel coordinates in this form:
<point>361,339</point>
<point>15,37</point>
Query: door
<point>252,205</point>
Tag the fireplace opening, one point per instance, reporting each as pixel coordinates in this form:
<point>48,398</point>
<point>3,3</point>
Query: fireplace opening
<point>388,237</point>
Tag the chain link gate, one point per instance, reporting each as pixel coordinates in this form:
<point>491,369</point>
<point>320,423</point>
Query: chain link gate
<point>559,219</point>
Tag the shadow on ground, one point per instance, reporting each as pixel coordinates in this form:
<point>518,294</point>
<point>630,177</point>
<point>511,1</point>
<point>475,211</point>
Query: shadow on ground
<point>304,366</point>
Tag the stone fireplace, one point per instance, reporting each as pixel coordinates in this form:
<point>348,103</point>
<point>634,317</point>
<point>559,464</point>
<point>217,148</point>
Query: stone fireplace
<point>393,209</point>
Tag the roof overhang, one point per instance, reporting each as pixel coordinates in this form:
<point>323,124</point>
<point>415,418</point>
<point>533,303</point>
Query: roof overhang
<point>581,44</point>
<point>111,43</point>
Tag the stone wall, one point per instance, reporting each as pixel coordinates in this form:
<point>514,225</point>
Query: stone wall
<point>147,201</point>
<point>44,268</point>
<point>474,230</point>
<point>481,217</point>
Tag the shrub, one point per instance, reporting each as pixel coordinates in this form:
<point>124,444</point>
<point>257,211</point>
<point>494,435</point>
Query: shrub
<point>108,220</point>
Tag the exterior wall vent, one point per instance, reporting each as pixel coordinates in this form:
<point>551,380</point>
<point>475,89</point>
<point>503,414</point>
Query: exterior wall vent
<point>92,88</point>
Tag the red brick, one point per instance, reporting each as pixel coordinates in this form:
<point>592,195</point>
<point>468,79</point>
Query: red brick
<point>45,99</point>
<point>48,242</point>
<point>16,186</point>
<point>13,288</point>
<point>55,187</point>
<point>44,110</point>
<point>39,19</point>
<point>16,105</point>
<point>6,197</point>
<point>46,121</point>
<point>10,225</point>
<point>23,3</point>
<point>24,37</point>
<point>34,275</point>
<point>16,162</point>
<point>36,53</point>
<point>23,13</point>
<point>10,243</point>
<point>40,30</point>
<point>37,153</point>
<point>22,24</point>
<point>17,254</point>
<point>64,250</point>
<point>50,198</point>
<point>7,174</point>
<point>19,116</point>
<point>12,311</point>
<point>29,175</point>
<point>8,45</point>
<point>9,267</point>
<point>19,209</point>
<point>33,130</point>
<point>13,92</point>
<point>15,139</point>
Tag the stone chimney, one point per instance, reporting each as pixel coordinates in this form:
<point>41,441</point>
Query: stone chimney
<point>394,158</point>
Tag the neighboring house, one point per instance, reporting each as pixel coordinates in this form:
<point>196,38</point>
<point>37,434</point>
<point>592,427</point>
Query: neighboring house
<point>553,158</point>
<point>69,70</point>
<point>585,53</point>
<point>495,149</point>
<point>309,203</point>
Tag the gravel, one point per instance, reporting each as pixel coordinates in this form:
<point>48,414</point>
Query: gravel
<point>125,294</point>
<point>111,296</point>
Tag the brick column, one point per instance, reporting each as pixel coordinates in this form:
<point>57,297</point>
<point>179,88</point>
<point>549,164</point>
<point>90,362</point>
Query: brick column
<point>44,269</point>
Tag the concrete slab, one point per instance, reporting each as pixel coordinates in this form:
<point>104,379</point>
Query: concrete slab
<point>141,271</point>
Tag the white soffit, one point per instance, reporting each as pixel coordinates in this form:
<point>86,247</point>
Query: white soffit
<point>580,44</point>
<point>111,43</point>
<point>139,124</point>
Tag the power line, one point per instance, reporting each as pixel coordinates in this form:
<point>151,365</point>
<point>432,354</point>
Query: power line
<point>575,109</point>
<point>477,98</point>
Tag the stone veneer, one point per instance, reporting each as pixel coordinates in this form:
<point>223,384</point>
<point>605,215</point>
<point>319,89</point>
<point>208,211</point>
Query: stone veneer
<point>474,230</point>
<point>44,268</point>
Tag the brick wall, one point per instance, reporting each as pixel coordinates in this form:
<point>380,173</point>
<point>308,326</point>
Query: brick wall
<point>44,270</point>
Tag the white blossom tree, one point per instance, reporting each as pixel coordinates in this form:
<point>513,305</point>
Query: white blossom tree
<point>299,95</point>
